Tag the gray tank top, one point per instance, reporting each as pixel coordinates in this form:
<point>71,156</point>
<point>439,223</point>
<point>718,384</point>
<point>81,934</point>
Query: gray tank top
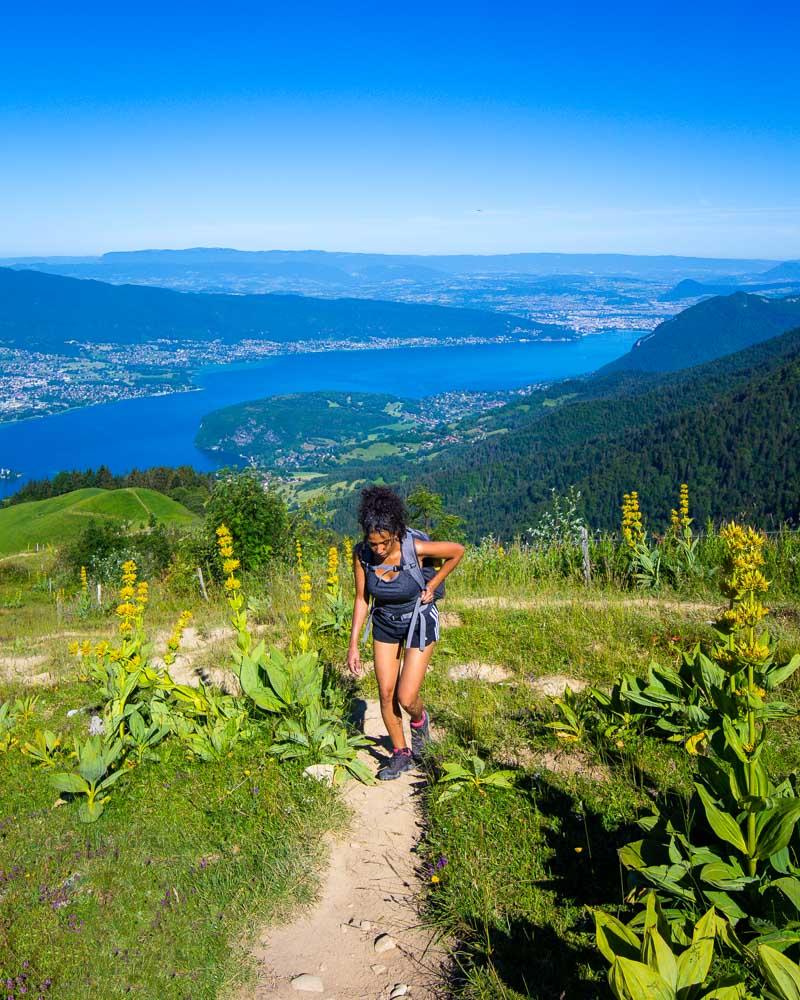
<point>401,592</point>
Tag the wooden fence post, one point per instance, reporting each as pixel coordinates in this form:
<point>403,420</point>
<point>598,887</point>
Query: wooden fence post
<point>202,583</point>
<point>587,566</point>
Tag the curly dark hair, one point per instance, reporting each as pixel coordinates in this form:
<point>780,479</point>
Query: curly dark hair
<point>381,509</point>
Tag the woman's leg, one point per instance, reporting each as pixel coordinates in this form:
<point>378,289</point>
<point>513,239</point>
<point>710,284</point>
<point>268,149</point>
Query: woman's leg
<point>387,669</point>
<point>415,666</point>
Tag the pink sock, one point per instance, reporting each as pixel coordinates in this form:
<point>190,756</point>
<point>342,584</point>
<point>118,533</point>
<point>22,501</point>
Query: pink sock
<point>422,721</point>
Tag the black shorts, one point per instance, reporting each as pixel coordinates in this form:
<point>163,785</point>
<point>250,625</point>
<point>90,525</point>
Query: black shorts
<point>389,628</point>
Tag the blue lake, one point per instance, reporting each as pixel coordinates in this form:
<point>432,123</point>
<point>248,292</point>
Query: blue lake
<point>161,430</point>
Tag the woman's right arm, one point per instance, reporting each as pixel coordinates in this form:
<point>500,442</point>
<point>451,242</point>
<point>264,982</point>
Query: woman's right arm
<point>360,612</point>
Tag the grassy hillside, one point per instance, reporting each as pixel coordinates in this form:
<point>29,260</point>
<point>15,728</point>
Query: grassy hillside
<point>61,518</point>
<point>709,330</point>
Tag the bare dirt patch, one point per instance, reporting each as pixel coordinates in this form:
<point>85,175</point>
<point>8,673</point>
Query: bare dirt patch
<point>573,763</point>
<point>450,619</point>
<point>19,668</point>
<point>564,761</point>
<point>646,604</point>
<point>492,673</point>
<point>363,937</point>
<point>554,685</point>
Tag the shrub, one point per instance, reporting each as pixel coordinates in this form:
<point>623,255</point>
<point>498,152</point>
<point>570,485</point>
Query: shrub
<point>255,512</point>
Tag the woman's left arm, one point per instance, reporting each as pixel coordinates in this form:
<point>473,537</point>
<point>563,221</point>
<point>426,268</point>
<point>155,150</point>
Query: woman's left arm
<point>449,552</point>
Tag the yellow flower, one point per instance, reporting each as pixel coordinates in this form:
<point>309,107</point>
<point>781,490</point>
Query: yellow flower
<point>73,648</point>
<point>435,879</point>
<point>230,566</point>
<point>693,744</point>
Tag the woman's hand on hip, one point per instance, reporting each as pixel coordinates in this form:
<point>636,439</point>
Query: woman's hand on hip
<point>427,596</point>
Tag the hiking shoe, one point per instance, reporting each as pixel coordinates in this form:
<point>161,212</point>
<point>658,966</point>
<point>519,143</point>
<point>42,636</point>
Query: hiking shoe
<point>420,737</point>
<point>400,761</point>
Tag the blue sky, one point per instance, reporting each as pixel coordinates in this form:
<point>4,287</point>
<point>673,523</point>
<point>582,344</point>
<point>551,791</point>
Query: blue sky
<point>647,128</point>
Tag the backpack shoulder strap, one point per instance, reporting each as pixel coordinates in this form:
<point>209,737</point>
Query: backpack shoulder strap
<point>409,556</point>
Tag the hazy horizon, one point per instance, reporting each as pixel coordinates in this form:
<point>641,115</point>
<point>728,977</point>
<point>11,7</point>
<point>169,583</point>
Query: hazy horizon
<point>469,128</point>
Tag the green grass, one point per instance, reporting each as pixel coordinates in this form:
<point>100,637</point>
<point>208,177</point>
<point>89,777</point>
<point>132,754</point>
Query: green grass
<point>523,868</point>
<point>60,518</point>
<point>152,899</point>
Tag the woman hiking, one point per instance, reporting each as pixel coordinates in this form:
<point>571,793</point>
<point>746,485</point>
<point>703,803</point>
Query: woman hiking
<point>393,565</point>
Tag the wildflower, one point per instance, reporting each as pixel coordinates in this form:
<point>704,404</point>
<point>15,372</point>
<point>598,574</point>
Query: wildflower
<point>435,879</point>
<point>174,640</point>
<point>683,505</point>
<point>333,571</point>
<point>694,743</point>
<point>632,526</point>
<point>84,580</point>
<point>298,551</point>
<point>304,640</point>
<point>74,649</point>
<point>348,549</point>
<point>578,850</point>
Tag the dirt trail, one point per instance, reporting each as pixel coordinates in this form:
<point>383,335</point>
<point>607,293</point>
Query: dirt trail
<point>370,889</point>
<point>519,604</point>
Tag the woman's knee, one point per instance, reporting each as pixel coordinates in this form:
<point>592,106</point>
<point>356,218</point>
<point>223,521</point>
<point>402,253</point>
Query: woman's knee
<point>387,695</point>
<point>407,698</point>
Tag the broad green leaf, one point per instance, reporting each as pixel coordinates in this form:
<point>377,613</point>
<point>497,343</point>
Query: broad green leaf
<point>90,813</point>
<point>614,939</point>
<point>455,772</point>
<point>782,974</point>
<point>111,779</point>
<point>450,792</point>
<point>726,904</point>
<point>693,965</point>
<point>777,675</point>
<point>91,764</point>
<point>790,887</point>
<point>631,980</point>
<point>658,955</point>
<point>65,782</point>
<point>774,832</point>
<point>499,779</point>
<point>706,926</point>
<point>724,876</point>
<point>735,991</point>
<point>733,739</point>
<point>723,824</point>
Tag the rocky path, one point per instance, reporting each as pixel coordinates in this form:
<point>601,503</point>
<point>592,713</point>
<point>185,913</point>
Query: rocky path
<point>363,939</point>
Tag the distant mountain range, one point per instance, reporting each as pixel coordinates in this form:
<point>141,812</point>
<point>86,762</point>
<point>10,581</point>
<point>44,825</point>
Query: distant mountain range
<point>220,268</point>
<point>45,312</point>
<point>709,330</point>
<point>691,289</point>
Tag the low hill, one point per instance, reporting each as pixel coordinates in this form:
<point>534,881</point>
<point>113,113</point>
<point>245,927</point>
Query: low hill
<point>691,289</point>
<point>709,330</point>
<point>316,426</point>
<point>789,269</point>
<point>60,518</point>
<point>46,312</point>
